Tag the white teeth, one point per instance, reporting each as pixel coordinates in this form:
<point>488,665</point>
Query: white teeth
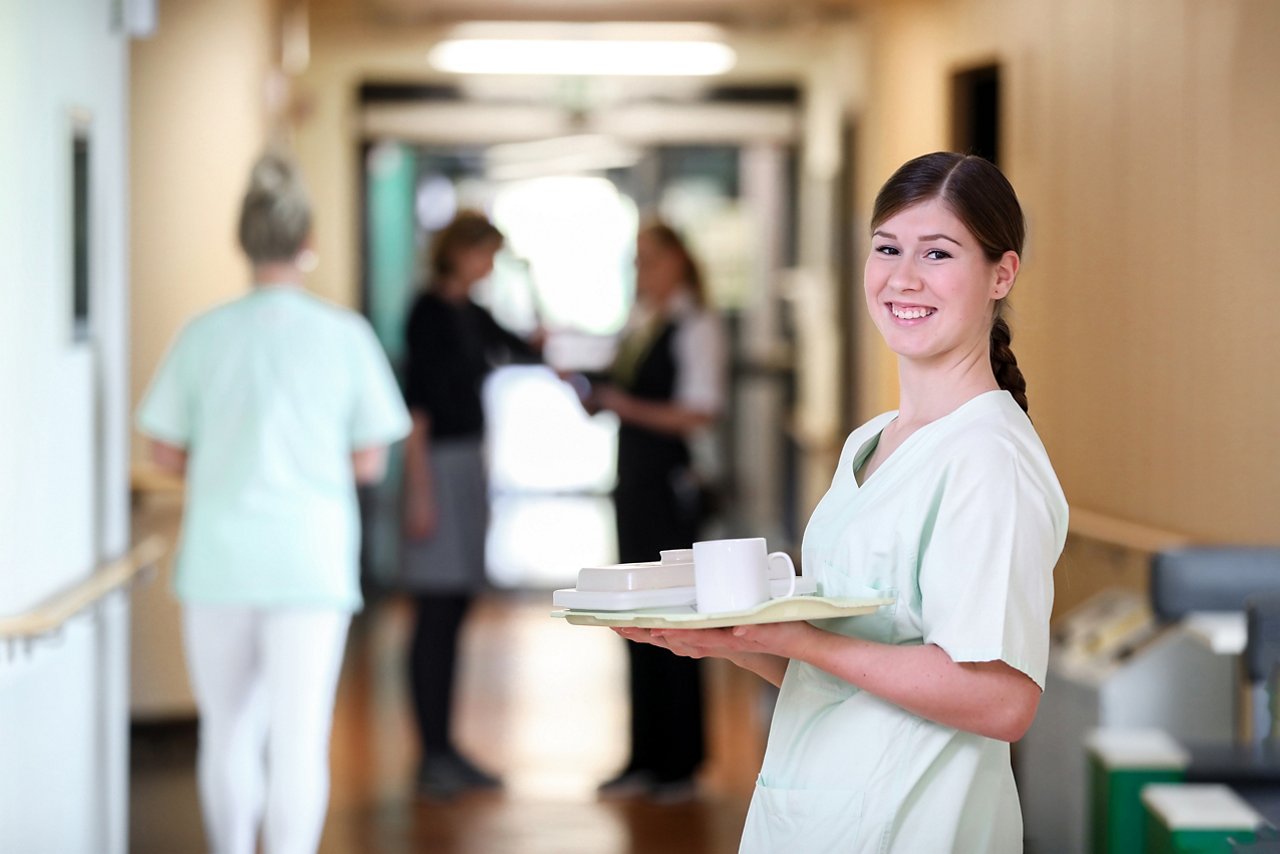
<point>911,313</point>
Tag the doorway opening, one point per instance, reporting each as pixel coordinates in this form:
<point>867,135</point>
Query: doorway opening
<point>975,112</point>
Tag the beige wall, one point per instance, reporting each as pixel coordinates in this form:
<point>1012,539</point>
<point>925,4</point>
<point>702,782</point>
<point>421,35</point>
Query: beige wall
<point>198,118</point>
<point>1141,137</point>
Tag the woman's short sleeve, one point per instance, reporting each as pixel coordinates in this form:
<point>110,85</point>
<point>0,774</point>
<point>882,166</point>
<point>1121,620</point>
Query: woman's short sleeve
<point>702,363</point>
<point>998,524</point>
<point>167,409</point>
<point>379,416</point>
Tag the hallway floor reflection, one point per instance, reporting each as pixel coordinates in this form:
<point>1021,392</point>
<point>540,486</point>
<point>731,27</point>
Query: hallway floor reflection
<point>543,705</point>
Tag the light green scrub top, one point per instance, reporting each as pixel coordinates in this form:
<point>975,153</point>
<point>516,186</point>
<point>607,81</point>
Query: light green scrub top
<point>963,524</point>
<point>269,395</point>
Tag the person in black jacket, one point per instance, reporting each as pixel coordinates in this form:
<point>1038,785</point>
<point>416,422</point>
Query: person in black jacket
<point>453,344</point>
<point>667,383</point>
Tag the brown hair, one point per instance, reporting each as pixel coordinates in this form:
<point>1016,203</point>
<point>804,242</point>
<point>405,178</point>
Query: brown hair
<point>275,214</point>
<point>669,238</point>
<point>468,230</point>
<point>981,198</point>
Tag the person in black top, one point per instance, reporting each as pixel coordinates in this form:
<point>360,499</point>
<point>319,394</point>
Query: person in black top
<point>667,384</point>
<point>452,346</point>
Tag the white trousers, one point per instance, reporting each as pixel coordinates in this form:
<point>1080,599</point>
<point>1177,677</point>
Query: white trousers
<point>264,682</point>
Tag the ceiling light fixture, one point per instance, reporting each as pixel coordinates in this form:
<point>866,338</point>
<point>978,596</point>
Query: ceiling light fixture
<point>586,50</point>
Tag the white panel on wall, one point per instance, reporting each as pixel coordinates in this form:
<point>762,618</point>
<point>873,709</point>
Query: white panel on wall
<point>64,495</point>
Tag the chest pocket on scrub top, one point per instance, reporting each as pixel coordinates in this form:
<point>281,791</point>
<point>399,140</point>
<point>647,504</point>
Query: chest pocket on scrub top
<point>865,570</point>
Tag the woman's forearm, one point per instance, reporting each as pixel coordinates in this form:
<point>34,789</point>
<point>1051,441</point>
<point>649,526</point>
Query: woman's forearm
<point>417,455</point>
<point>369,464</point>
<point>419,491</point>
<point>770,668</point>
<point>656,415</point>
<point>989,698</point>
<point>169,458</point>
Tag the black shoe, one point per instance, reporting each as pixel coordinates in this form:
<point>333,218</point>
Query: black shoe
<point>475,777</point>
<point>631,783</point>
<point>677,791</point>
<point>447,774</point>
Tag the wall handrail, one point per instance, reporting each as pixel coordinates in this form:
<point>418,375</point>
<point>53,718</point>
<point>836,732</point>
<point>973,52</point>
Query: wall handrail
<point>1103,528</point>
<point>51,614</point>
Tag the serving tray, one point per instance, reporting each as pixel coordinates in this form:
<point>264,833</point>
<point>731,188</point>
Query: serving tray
<point>773,611</point>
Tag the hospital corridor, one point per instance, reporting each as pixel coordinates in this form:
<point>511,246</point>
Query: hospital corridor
<point>402,387</point>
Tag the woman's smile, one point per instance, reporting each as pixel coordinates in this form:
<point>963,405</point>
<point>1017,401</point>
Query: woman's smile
<point>910,314</point>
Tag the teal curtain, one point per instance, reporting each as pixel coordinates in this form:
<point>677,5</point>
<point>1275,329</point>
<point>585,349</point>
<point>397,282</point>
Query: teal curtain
<point>391,251</point>
<point>392,273</point>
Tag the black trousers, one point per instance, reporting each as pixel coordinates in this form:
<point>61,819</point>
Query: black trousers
<point>667,736</point>
<point>433,656</point>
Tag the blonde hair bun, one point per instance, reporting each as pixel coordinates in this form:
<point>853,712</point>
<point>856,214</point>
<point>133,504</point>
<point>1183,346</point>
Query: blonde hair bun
<point>275,215</point>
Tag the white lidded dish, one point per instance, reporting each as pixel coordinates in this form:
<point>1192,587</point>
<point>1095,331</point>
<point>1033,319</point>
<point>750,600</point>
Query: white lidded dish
<point>636,576</point>
<point>653,575</point>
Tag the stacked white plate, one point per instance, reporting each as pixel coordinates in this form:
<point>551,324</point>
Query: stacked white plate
<point>666,584</point>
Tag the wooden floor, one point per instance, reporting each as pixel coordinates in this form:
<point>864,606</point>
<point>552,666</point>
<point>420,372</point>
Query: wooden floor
<point>541,703</point>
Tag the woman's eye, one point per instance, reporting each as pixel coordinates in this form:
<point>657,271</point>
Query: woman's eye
<point>937,254</point>
<point>886,250</point>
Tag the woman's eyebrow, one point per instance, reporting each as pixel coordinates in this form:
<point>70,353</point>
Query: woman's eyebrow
<point>926,238</point>
<point>923,238</point>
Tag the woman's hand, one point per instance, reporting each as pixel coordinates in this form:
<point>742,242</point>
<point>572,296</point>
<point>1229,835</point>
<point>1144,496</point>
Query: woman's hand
<point>781,639</point>
<point>690,643</point>
<point>613,399</point>
<point>421,517</point>
<point>763,649</point>
<point>661,416</point>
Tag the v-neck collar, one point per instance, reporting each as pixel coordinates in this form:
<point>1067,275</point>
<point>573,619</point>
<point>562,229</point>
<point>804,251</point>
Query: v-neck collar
<point>864,453</point>
<point>871,442</point>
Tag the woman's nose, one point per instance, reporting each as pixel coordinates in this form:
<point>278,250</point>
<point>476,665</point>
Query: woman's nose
<point>904,280</point>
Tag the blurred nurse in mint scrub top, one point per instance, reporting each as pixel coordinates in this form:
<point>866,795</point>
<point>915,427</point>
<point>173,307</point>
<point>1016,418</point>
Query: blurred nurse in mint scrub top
<point>273,406</point>
<point>892,730</point>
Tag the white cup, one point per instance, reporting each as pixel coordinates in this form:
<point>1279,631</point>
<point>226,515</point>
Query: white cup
<point>733,575</point>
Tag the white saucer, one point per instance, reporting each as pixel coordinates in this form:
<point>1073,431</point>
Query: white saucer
<point>667,597</point>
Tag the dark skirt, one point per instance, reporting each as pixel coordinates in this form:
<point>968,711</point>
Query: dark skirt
<point>452,559</point>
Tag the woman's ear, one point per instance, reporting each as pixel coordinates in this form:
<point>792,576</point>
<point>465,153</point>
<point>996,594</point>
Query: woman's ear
<point>1006,274</point>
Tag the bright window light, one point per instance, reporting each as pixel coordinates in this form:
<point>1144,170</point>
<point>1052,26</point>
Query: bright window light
<point>578,235</point>
<point>586,57</point>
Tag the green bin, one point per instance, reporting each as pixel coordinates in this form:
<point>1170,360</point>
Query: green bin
<point>1196,818</point>
<point>1121,763</point>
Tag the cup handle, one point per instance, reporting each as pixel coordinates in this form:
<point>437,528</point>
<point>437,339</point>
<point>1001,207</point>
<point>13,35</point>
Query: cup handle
<point>791,572</point>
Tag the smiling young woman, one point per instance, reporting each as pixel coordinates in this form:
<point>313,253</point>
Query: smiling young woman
<point>892,730</point>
